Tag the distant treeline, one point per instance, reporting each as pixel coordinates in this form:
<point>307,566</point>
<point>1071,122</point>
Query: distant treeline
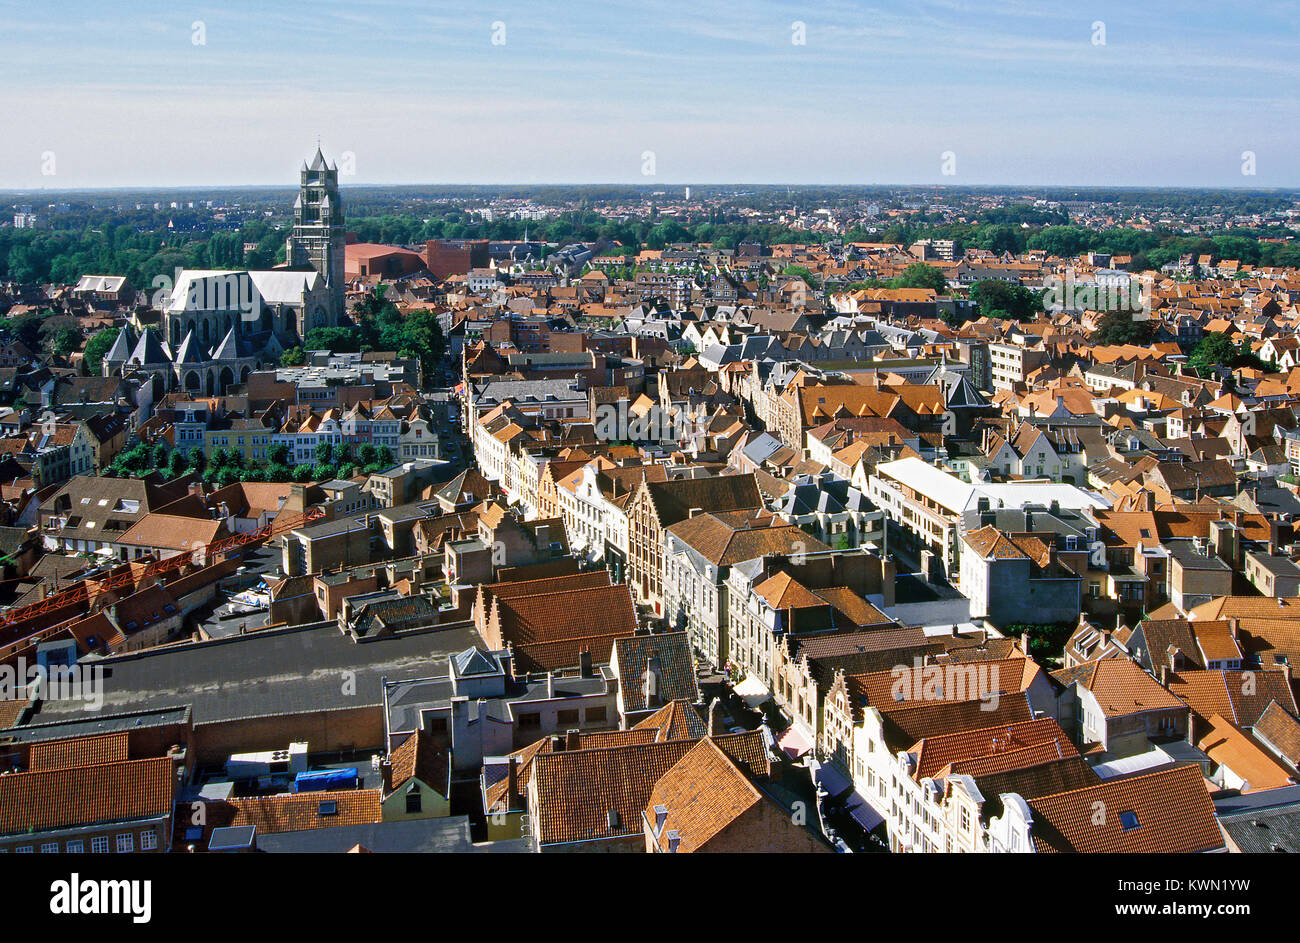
<point>140,245</point>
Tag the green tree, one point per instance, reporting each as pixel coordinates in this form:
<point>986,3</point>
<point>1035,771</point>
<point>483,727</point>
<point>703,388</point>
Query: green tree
<point>1215,349</point>
<point>323,452</point>
<point>96,348</point>
<point>384,457</point>
<point>341,453</point>
<point>198,460</point>
<point>920,275</point>
<point>1003,300</point>
<point>368,454</point>
<point>66,340</point>
<point>1119,327</point>
<point>278,454</point>
<point>293,357</point>
<point>803,273</point>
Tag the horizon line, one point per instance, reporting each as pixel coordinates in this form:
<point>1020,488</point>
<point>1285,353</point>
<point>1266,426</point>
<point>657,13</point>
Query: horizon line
<point>1276,188</point>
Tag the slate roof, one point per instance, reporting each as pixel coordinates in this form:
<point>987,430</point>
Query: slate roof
<point>677,679</point>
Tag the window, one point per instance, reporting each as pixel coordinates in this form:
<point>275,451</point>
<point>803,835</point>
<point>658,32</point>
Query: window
<point>125,843</point>
<point>148,841</point>
<point>414,801</point>
<point>23,850</point>
<point>77,847</point>
<point>99,845</point>
<point>566,717</point>
<point>595,714</point>
<point>530,721</point>
<point>50,848</point>
<point>1128,820</point>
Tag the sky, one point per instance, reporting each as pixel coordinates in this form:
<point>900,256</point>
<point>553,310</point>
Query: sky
<point>1027,92</point>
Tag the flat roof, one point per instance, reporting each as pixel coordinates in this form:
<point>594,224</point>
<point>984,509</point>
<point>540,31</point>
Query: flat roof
<point>89,724</point>
<point>949,491</point>
<point>270,673</point>
<point>449,834</point>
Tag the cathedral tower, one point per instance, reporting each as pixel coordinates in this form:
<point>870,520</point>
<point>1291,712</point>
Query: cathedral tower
<point>318,236</point>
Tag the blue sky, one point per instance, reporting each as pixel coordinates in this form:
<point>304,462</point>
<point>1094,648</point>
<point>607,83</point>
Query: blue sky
<point>1019,92</point>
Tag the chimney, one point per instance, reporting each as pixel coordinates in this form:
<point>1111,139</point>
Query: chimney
<point>550,684</point>
<point>1164,676</point>
<point>715,717</point>
<point>584,663</point>
<point>695,511</point>
<point>571,740</point>
<point>512,780</point>
<point>652,698</point>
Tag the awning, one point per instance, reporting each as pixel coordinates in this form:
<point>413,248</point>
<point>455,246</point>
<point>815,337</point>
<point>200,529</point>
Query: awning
<point>836,785</point>
<point>863,813</point>
<point>752,691</point>
<point>794,743</point>
<point>832,780</point>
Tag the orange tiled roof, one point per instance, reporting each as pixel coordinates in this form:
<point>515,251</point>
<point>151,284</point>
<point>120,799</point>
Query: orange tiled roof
<point>1168,811</point>
<point>79,751</point>
<point>587,795</point>
<point>1228,745</point>
<point>703,793</point>
<point>85,795</point>
<point>295,812</point>
<point>1120,687</point>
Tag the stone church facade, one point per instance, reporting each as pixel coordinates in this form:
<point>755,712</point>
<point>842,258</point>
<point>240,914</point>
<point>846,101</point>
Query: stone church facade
<point>217,326</point>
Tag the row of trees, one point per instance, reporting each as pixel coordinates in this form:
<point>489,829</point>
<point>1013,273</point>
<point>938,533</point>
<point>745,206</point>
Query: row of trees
<point>63,255</point>
<point>141,246</point>
<point>228,466</point>
<point>1149,249</point>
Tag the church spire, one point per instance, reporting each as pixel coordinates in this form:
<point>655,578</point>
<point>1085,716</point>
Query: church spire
<point>318,236</point>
